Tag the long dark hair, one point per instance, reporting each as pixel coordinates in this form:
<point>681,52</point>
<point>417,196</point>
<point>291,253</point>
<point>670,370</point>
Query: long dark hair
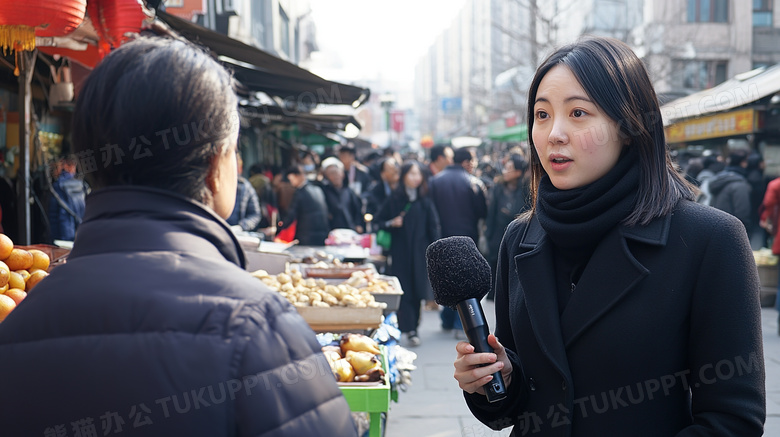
<point>155,113</point>
<point>422,190</point>
<point>616,79</point>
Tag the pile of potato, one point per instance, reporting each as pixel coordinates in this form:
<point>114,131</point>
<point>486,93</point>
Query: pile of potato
<point>367,281</point>
<point>317,292</point>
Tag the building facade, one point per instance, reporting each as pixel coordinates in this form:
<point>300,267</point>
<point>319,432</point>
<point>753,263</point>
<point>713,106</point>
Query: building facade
<point>283,28</point>
<point>455,83</point>
<point>481,67</point>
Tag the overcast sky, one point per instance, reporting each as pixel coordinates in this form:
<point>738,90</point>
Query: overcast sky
<point>371,39</point>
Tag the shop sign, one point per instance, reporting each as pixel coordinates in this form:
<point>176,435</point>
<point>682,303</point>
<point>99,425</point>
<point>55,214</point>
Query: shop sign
<point>451,105</point>
<point>712,126</point>
<point>397,120</point>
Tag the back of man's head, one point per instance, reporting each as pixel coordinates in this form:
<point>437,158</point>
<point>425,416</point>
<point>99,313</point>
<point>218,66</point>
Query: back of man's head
<point>462,155</point>
<point>294,169</point>
<point>164,108</point>
<point>437,151</point>
<point>738,158</point>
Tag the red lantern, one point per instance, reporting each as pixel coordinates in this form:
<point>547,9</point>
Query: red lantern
<point>113,19</point>
<point>22,21</point>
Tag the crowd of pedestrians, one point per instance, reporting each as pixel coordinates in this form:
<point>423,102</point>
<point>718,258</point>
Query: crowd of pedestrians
<point>416,198</point>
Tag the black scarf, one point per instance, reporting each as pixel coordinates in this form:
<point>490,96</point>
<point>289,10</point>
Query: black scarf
<point>580,217</point>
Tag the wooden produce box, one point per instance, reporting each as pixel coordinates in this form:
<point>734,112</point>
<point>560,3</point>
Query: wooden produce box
<point>334,319</point>
<point>309,271</point>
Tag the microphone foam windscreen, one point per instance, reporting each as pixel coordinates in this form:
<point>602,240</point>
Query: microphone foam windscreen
<point>456,270</point>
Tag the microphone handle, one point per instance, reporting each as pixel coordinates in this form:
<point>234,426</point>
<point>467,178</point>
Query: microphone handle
<point>474,324</point>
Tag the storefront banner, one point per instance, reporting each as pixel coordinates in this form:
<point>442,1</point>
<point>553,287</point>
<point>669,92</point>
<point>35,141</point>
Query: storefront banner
<point>712,126</point>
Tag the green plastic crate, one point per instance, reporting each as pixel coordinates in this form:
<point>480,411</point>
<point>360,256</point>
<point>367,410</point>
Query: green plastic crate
<point>373,400</point>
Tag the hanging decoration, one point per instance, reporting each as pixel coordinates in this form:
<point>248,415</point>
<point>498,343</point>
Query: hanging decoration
<point>114,20</point>
<point>22,21</point>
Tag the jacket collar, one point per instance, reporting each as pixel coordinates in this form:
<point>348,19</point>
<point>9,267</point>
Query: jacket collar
<point>656,232</point>
<point>144,219</point>
<point>612,273</point>
<point>455,167</point>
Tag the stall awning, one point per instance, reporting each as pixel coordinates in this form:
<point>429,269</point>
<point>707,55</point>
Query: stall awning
<point>516,133</point>
<point>307,121</point>
<point>261,71</point>
<point>738,91</point>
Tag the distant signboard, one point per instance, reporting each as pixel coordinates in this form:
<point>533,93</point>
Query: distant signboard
<point>451,105</point>
<point>397,120</point>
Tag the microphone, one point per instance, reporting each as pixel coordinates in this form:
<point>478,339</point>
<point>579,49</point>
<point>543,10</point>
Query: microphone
<point>460,277</point>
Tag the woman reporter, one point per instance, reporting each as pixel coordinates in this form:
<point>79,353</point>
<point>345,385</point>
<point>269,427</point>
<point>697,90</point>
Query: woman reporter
<point>621,304</point>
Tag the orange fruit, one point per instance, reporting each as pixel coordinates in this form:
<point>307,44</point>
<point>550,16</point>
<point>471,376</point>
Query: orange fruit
<point>19,259</point>
<point>6,306</point>
<point>35,278</point>
<point>4,266</point>
<point>16,281</point>
<point>6,246</point>
<point>40,259</point>
<point>16,294</point>
<point>4,276</point>
<point>4,288</point>
<point>25,274</point>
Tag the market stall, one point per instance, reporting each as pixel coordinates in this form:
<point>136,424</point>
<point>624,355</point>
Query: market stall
<point>345,300</point>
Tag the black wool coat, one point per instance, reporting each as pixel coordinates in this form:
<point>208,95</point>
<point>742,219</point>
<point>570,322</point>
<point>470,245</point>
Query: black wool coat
<point>344,207</point>
<point>661,338</point>
<point>310,210</point>
<point>409,242</point>
<point>154,328</point>
<point>460,200</point>
<point>504,206</point>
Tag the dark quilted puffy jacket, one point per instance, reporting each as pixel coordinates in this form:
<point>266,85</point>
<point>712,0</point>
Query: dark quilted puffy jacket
<point>153,328</point>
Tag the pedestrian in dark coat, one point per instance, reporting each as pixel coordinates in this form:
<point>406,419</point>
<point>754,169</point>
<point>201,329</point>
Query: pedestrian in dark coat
<point>623,308</point>
<point>460,200</point>
<point>355,175</point>
<point>380,191</point>
<point>246,214</point>
<point>344,206</point>
<point>308,210</point>
<point>153,327</point>
<point>411,218</point>
<point>508,199</point>
<point>731,191</point>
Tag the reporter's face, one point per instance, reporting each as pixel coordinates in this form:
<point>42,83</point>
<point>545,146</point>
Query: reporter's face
<point>576,142</point>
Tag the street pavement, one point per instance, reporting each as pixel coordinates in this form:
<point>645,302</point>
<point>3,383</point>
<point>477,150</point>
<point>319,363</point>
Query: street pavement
<point>433,405</point>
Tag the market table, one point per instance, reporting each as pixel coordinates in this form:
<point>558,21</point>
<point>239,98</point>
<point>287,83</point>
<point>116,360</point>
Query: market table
<point>371,398</point>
